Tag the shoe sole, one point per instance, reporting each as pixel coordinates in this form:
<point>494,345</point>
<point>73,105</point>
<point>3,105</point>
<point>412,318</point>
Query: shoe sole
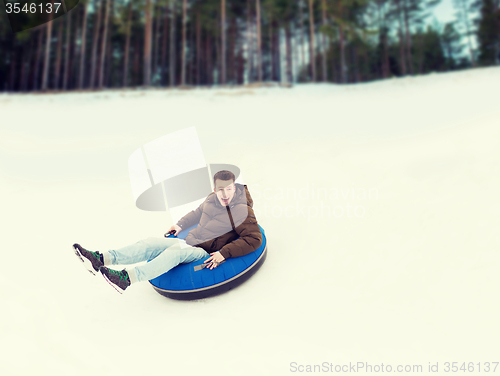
<point>86,262</point>
<point>112,284</point>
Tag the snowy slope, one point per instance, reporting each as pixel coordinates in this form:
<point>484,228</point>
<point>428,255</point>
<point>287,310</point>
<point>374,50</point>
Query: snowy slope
<point>379,202</point>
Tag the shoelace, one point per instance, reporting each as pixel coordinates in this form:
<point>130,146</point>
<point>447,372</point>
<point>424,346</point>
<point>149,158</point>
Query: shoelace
<point>118,273</point>
<point>95,254</point>
<point>92,253</point>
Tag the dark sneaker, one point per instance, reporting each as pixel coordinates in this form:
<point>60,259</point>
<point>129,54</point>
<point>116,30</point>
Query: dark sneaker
<point>92,261</point>
<point>118,279</point>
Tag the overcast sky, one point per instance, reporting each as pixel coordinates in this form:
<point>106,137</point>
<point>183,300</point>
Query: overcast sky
<point>445,12</point>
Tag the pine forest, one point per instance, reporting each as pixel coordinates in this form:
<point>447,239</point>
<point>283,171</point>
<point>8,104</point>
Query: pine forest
<point>109,44</point>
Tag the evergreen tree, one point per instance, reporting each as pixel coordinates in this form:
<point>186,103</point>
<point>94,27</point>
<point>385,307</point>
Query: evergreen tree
<point>451,45</point>
<point>433,55</point>
<point>465,26</point>
<point>488,32</point>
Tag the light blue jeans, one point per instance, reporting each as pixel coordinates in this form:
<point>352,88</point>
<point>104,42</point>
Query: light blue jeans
<point>164,253</point>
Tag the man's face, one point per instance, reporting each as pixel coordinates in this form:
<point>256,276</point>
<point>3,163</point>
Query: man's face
<point>225,191</point>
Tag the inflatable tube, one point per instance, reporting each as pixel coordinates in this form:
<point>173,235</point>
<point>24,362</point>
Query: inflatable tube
<point>185,283</point>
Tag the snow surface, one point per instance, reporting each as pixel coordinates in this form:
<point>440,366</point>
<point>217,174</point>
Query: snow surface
<point>403,269</point>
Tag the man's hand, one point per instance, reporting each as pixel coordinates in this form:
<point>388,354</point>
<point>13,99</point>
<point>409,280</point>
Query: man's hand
<point>215,258</point>
<point>175,228</point>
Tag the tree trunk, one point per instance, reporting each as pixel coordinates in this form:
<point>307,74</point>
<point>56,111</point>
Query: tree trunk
<point>38,58</point>
<point>277,51</point>
<point>386,57</point>
<point>46,64</point>
<point>32,62</point>
<point>164,47</point>
<point>323,41</point>
<point>74,51</point>
<point>223,41</point>
<point>302,47</point>
<point>137,73</point>
<point>13,64</point>
<point>183,50</point>
<point>421,52</point>
<point>496,52</point>
<point>402,56</point>
<point>209,67</point>
<point>191,50</point>
<point>82,47</point>
<point>66,51</point>
<point>467,27</point>
<point>26,56</point>
<point>154,27</point>
<point>231,42</point>
<point>288,44</point>
<point>57,74</point>
<point>22,73</point>
<point>218,60</point>
<point>249,42</point>
<point>171,65</point>
<point>259,41</point>
<point>127,46</point>
<point>497,49</point>
<point>343,67</point>
<point>383,42</point>
<point>156,44</point>
<point>312,58</point>
<point>334,66</point>
<point>408,40</point>
<point>147,44</point>
<point>241,67</point>
<point>97,27</point>
<point>356,64</point>
<point>271,50</point>
<point>497,45</point>
<point>295,53</point>
<point>109,54</point>
<point>367,66</point>
<point>198,48</point>
<point>103,45</point>
<point>26,66</point>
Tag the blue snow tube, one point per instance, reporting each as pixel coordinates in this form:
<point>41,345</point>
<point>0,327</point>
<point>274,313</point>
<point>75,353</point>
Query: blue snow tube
<point>184,282</point>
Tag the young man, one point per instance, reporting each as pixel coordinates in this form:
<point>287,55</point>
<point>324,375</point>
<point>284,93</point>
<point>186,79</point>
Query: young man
<point>227,227</point>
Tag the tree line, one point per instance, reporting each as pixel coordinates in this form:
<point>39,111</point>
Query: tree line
<point>159,43</point>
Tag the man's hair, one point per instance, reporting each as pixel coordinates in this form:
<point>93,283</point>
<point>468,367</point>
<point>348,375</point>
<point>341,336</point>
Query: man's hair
<point>224,175</point>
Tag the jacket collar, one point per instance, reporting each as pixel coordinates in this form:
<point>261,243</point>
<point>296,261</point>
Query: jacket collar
<point>240,196</point>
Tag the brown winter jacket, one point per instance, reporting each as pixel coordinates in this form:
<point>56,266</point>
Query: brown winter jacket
<point>233,232</point>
